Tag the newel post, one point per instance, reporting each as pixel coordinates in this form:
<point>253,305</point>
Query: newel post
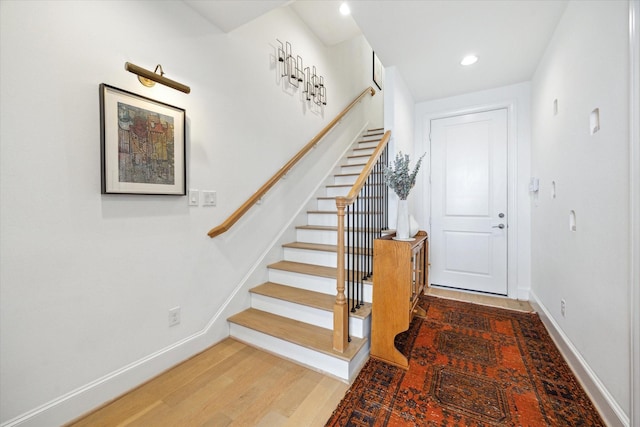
<point>340,309</point>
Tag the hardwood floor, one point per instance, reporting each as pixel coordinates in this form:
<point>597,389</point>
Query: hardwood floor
<point>477,298</point>
<point>232,384</point>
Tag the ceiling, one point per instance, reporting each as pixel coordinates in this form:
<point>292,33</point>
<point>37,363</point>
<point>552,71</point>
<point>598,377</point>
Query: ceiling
<point>425,40</point>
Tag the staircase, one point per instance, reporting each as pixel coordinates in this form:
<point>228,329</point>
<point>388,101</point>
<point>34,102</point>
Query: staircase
<point>291,315</point>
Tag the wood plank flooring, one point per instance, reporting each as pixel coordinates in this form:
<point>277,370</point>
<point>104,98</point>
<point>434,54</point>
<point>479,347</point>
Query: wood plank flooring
<point>232,384</point>
<point>482,299</point>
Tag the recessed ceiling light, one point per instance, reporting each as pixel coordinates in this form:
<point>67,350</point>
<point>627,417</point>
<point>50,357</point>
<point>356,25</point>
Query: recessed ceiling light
<point>344,9</point>
<point>469,60</point>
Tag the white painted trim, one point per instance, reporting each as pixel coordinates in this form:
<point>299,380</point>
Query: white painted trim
<point>62,409</point>
<point>634,178</point>
<point>513,290</point>
<point>612,414</point>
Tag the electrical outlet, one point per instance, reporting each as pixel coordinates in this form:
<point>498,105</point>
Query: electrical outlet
<point>563,306</point>
<point>174,316</point>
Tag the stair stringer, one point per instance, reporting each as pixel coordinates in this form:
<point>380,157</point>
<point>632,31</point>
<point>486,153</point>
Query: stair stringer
<point>239,298</point>
<point>290,350</point>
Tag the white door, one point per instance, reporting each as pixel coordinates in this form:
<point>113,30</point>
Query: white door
<point>468,241</point>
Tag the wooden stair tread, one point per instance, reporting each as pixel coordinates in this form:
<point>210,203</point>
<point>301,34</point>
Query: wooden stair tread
<point>311,246</point>
<point>299,296</point>
<point>342,175</point>
<point>310,269</point>
<point>293,331</point>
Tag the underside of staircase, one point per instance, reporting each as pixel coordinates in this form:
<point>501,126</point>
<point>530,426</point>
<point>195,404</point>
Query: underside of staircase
<point>291,315</point>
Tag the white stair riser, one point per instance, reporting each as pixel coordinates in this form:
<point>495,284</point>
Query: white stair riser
<point>369,144</point>
<point>322,219</point>
<point>367,291</point>
<point>351,168</point>
<point>345,180</point>
<point>322,237</point>
<point>325,285</point>
<point>310,256</point>
<point>301,355</point>
<point>356,160</point>
<point>330,219</point>
<point>302,313</point>
<point>337,191</point>
<point>326,205</point>
<point>362,204</point>
<point>363,151</point>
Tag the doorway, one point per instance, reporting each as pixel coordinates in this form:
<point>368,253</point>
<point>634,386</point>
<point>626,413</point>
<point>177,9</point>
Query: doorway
<point>469,218</point>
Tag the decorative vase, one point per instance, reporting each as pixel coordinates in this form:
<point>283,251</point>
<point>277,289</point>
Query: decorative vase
<point>402,228</point>
<point>414,227</point>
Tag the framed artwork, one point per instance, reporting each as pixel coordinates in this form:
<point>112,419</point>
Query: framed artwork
<point>377,71</point>
<point>142,144</point>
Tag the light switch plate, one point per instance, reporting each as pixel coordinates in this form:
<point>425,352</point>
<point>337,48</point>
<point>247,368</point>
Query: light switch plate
<point>194,198</point>
<point>210,198</point>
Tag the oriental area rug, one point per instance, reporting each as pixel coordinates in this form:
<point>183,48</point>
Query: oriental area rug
<point>469,365</point>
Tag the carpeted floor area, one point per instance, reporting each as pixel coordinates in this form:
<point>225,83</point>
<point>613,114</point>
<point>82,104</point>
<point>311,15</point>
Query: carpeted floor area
<point>469,366</point>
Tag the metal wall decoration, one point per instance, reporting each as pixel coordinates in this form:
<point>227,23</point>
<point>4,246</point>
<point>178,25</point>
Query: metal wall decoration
<point>293,70</point>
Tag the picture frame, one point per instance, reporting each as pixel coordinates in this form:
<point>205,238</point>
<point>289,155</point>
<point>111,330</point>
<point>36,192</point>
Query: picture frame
<point>142,144</point>
<point>377,71</point>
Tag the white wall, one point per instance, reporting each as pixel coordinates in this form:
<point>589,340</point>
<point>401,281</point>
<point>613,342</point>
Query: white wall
<point>585,67</point>
<point>516,98</point>
<point>351,61</point>
<point>399,119</point>
<point>86,279</point>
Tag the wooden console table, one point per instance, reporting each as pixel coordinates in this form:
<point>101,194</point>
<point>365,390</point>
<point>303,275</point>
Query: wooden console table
<point>400,275</point>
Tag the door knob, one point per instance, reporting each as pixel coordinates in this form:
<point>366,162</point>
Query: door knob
<point>500,215</point>
<point>501,226</point>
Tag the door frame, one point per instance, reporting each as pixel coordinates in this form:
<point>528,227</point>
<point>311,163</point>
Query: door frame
<point>634,207</point>
<point>513,290</point>
<point>494,281</point>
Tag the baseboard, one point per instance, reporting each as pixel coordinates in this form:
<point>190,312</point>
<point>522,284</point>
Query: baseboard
<point>84,399</point>
<point>523,294</point>
<point>609,410</point>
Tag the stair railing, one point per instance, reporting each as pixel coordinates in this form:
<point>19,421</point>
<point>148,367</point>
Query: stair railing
<point>365,211</point>
<point>234,217</point>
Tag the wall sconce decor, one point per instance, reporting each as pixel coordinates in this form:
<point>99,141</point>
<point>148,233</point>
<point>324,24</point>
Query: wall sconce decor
<point>292,68</point>
<point>149,78</point>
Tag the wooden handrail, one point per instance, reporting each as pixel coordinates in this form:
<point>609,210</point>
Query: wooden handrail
<point>366,171</point>
<point>234,217</point>
<point>340,309</point>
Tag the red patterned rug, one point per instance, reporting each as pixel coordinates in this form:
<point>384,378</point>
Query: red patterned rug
<point>469,365</point>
